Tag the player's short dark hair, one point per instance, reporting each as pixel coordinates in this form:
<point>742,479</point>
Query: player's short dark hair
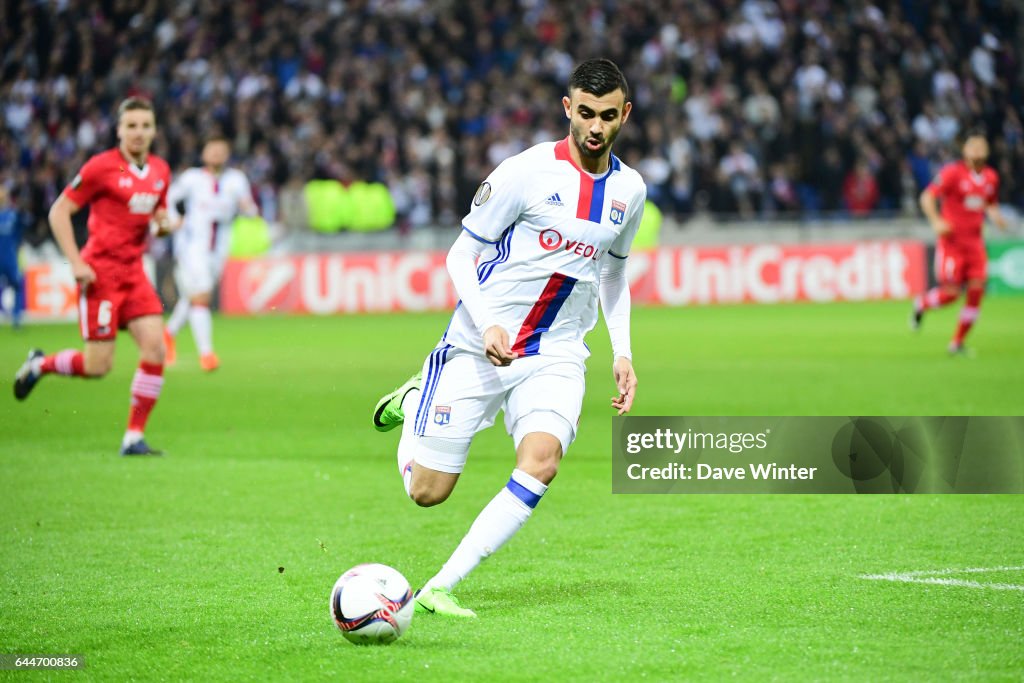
<point>598,77</point>
<point>216,137</point>
<point>973,132</point>
<point>134,103</point>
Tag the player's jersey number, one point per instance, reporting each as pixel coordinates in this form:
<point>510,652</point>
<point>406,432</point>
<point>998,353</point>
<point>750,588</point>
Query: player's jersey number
<point>105,313</point>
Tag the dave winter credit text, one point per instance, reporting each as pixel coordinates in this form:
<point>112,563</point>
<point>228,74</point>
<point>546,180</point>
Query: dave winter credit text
<point>734,442</point>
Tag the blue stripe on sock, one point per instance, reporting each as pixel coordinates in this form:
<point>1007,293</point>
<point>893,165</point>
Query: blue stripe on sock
<point>529,498</point>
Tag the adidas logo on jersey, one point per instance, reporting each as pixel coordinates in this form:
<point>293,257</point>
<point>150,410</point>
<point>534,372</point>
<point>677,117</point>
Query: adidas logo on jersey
<point>554,200</point>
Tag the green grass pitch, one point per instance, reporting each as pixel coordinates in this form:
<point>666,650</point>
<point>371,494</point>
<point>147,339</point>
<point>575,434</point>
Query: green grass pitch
<point>216,562</point>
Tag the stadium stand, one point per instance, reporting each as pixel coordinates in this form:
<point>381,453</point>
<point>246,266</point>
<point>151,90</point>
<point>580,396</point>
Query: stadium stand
<point>756,108</point>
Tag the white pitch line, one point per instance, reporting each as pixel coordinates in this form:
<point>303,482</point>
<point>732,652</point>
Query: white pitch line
<point>970,570</point>
<point>932,577</point>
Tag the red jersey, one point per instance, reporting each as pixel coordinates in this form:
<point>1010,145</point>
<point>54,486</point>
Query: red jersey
<point>122,200</point>
<point>965,194</point>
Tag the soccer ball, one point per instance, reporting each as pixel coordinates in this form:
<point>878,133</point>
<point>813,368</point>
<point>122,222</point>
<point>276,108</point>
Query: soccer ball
<point>372,604</point>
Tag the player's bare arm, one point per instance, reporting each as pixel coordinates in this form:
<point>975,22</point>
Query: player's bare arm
<point>930,208</point>
<point>497,347</point>
<point>625,380</point>
<point>64,234</point>
<point>996,216</point>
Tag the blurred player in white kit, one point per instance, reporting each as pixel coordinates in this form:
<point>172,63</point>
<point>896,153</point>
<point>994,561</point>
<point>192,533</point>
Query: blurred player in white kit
<point>213,195</point>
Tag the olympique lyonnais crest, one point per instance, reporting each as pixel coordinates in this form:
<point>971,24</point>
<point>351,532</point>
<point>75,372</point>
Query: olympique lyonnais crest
<point>442,415</point>
<point>618,212</point>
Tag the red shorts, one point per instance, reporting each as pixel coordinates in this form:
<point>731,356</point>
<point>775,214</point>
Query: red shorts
<point>956,263</point>
<point>121,293</point>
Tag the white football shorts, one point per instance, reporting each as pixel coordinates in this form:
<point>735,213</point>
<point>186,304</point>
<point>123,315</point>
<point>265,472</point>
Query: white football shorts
<point>462,393</point>
<point>198,267</point>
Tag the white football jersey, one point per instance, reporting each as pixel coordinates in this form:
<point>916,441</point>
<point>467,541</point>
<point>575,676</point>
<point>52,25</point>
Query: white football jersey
<point>548,225</point>
<point>211,203</point>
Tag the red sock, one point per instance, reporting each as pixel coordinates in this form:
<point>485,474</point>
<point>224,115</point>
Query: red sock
<point>936,297</point>
<point>149,379</point>
<point>968,314</point>
<point>68,362</point>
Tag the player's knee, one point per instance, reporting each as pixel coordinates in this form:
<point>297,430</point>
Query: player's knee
<point>541,439</point>
<point>540,459</point>
<point>543,469</point>
<point>427,496</point>
<point>154,353</point>
<point>98,367</point>
<point>438,464</point>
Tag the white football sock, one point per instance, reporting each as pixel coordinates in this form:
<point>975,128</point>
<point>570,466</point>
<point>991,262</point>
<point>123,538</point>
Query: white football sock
<point>405,446</point>
<point>130,437</point>
<point>202,328</point>
<point>178,316</point>
<point>496,524</point>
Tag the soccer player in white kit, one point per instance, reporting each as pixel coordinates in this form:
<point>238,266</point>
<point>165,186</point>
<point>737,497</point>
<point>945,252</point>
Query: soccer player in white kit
<point>213,195</point>
<point>545,241</point>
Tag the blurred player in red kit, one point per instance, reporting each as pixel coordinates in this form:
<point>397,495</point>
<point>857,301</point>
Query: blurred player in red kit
<point>968,191</point>
<point>126,188</point>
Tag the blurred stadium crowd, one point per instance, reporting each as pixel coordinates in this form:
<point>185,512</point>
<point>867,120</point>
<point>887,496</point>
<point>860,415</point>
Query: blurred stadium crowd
<point>754,108</point>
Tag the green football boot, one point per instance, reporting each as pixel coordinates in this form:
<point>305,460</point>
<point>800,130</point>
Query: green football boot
<point>441,601</point>
<point>389,414</point>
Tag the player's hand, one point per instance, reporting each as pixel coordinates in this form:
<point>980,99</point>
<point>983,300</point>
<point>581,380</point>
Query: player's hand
<point>625,380</point>
<point>497,348</point>
<point>162,226</point>
<point>1000,220</point>
<point>941,226</point>
<point>83,273</point>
